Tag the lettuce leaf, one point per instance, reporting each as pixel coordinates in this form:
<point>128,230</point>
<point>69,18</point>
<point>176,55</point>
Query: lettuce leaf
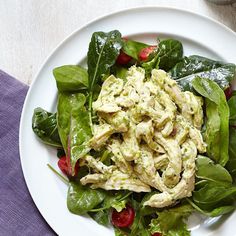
<point>171,222</point>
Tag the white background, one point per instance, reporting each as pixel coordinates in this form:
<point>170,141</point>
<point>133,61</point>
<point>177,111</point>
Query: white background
<point>31,29</point>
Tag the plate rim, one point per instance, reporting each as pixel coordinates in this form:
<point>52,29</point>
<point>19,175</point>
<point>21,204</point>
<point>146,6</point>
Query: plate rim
<point>64,41</point>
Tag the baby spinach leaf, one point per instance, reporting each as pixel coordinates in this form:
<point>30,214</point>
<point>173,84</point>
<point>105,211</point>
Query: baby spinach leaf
<point>171,222</point>
<point>133,48</point>
<point>207,170</point>
<point>73,126</point>
<point>231,165</point>
<point>119,71</point>
<point>71,78</point>
<point>44,125</point>
<point>190,67</point>
<point>104,49</point>
<point>81,199</point>
<point>101,217</point>
<point>217,124</point>
<point>213,195</point>
<point>215,212</point>
<point>232,108</point>
<point>150,65</point>
<point>170,52</point>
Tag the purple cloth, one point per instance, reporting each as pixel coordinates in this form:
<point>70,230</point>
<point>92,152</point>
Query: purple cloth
<point>18,214</point>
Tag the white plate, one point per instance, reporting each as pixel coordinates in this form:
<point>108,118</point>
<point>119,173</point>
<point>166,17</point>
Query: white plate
<point>199,35</point>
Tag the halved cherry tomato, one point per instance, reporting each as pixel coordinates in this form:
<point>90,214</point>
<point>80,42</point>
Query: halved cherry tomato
<point>123,58</point>
<point>145,52</point>
<point>62,164</point>
<point>156,234</point>
<point>123,219</point>
<point>228,92</point>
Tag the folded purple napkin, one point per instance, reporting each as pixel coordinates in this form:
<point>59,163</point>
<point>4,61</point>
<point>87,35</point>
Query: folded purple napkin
<point>18,214</point>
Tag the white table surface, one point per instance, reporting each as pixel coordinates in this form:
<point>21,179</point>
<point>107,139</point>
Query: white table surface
<point>31,29</point>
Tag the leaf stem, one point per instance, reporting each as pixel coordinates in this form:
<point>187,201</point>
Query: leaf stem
<point>65,180</point>
<point>90,109</point>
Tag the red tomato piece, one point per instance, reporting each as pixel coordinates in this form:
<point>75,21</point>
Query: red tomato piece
<point>123,58</point>
<point>156,234</point>
<point>145,52</point>
<point>228,92</point>
<point>123,219</point>
<point>63,165</point>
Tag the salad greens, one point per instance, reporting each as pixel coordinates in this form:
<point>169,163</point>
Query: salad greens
<point>104,49</point>
<point>171,221</point>
<point>71,78</point>
<point>232,108</point>
<point>71,128</point>
<point>44,125</point>
<point>190,67</point>
<point>217,113</point>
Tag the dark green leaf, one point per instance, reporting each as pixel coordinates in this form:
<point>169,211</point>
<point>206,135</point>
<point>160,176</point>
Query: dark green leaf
<point>60,152</point>
<point>44,125</point>
<point>207,170</point>
<point>101,217</point>
<point>232,108</point>
<point>231,165</point>
<point>119,72</point>
<point>217,124</point>
<point>133,48</point>
<point>170,52</point>
<point>215,212</point>
<point>150,65</point>
<point>213,195</point>
<point>190,67</point>
<point>81,199</point>
<point>73,126</point>
<point>104,48</point>
<point>71,78</point>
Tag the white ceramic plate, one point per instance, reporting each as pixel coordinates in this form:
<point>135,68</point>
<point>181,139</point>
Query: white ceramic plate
<point>199,35</point>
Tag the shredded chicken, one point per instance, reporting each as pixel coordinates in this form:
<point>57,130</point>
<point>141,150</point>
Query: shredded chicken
<point>152,130</point>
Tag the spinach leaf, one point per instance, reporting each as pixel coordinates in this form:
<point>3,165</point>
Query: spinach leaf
<point>104,49</point>
<point>170,222</point>
<point>190,67</point>
<point>215,212</point>
<point>217,124</point>
<point>73,126</point>
<point>232,108</point>
<point>71,78</point>
<point>119,72</point>
<point>150,65</point>
<point>44,125</point>
<point>133,48</point>
<point>231,165</point>
<point>207,170</point>
<point>81,199</point>
<point>101,217</point>
<point>213,195</point>
<point>170,51</point>
<point>114,200</point>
